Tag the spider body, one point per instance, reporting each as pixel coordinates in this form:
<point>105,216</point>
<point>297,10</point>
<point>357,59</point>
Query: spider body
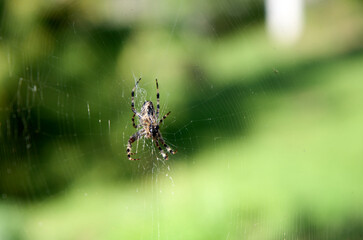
<point>149,124</point>
<point>148,119</point>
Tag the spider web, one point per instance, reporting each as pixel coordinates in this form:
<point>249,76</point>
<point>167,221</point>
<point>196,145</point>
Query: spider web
<point>57,125</point>
<point>65,96</point>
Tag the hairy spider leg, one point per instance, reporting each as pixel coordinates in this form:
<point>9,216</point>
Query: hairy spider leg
<point>160,138</point>
<point>132,98</point>
<point>132,139</point>
<point>165,156</point>
<point>133,121</point>
<point>157,99</point>
<point>163,118</point>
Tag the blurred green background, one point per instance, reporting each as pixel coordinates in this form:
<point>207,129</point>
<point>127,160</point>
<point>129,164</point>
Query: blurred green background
<point>269,137</point>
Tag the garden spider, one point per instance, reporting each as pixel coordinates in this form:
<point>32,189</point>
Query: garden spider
<point>148,120</point>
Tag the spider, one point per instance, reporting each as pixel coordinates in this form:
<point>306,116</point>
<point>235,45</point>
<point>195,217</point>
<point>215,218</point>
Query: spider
<point>148,120</point>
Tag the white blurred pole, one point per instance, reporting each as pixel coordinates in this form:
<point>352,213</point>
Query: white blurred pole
<point>285,20</point>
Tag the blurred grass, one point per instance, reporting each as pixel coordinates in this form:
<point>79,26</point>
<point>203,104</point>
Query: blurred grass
<point>299,171</point>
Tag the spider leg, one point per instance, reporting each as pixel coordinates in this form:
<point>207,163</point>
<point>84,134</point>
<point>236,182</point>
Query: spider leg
<point>132,98</point>
<point>165,156</point>
<point>163,118</point>
<point>133,121</point>
<point>160,138</point>
<point>132,139</point>
<point>157,99</point>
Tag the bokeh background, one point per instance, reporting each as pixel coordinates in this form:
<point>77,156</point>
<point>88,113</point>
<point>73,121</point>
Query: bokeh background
<point>266,117</point>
